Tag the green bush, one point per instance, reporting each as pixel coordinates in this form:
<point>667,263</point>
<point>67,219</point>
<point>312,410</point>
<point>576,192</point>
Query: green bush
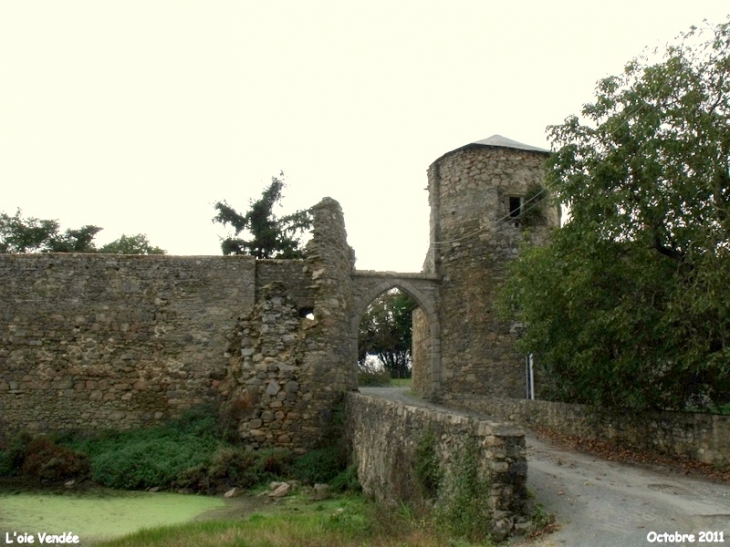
<point>151,457</point>
<point>49,462</point>
<point>13,454</point>
<point>144,463</point>
<point>426,467</point>
<point>346,481</point>
<point>321,465</point>
<point>186,453</point>
<point>237,466</point>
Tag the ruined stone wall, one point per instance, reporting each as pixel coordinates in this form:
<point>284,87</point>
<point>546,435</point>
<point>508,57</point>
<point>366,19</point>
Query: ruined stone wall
<point>385,437</point>
<point>701,437</point>
<point>287,371</point>
<point>330,355</point>
<point>98,341</point>
<point>92,341</point>
<point>269,391</point>
<point>292,273</point>
<point>473,239</point>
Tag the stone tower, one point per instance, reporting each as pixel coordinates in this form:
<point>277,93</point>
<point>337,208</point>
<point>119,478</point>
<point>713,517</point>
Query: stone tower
<point>484,198</point>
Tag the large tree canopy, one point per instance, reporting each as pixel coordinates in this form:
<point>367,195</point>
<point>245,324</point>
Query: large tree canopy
<point>271,237</point>
<point>629,304</point>
<point>33,235</point>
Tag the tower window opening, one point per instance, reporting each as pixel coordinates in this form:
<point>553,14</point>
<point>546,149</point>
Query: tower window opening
<point>515,209</point>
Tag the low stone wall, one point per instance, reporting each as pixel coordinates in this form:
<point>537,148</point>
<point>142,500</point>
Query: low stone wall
<point>701,437</point>
<point>387,439</point>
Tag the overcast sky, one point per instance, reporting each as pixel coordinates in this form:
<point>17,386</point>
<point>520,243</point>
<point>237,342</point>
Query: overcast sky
<point>138,115</point>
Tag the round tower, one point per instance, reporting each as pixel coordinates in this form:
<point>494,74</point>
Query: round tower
<point>485,197</point>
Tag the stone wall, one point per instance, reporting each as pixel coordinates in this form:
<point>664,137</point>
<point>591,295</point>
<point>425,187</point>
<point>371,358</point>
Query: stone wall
<point>293,274</point>
<point>420,353</point>
<point>701,437</point>
<point>288,367</point>
<point>94,341</point>
<point>269,391</point>
<point>424,290</point>
<point>385,436</point>
<point>473,239</point>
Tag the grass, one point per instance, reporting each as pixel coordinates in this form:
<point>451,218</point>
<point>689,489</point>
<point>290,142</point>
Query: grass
<point>401,382</point>
<point>347,521</point>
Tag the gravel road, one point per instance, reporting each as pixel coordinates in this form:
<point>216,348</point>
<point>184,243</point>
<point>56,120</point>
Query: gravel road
<point>607,504</point>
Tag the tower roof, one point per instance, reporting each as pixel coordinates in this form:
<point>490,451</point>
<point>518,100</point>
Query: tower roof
<point>503,142</point>
<point>498,141</point>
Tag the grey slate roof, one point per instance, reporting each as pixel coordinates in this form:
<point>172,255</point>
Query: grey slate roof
<point>504,142</point>
<point>498,141</point>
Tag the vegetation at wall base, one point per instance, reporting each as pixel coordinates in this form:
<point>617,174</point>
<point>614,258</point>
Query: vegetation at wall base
<point>189,453</point>
<point>426,466</point>
<point>628,305</point>
<point>344,521</point>
<point>461,512</point>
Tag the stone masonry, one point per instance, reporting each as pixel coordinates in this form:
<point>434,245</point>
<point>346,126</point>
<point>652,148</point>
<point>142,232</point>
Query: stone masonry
<point>474,234</point>
<point>92,341</point>
<point>385,436</point>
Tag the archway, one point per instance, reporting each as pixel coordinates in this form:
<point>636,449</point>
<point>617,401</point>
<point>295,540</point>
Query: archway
<point>427,362</point>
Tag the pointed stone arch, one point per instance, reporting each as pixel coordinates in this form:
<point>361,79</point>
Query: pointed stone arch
<point>424,291</point>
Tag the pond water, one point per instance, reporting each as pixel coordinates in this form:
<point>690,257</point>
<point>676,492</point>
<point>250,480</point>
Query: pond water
<point>94,516</point>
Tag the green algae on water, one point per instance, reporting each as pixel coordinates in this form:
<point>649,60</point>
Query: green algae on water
<point>95,518</point>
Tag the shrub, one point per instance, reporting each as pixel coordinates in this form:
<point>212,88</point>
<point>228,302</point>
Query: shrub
<point>11,459</point>
<point>145,463</point>
<point>426,466</point>
<point>237,466</point>
<point>41,458</point>
<point>321,465</point>
<point>346,481</point>
<point>152,457</point>
<point>49,462</point>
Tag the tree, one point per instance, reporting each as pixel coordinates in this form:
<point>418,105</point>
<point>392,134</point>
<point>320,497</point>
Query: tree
<point>19,235</point>
<point>132,245</point>
<point>32,235</point>
<point>27,235</point>
<point>629,304</point>
<point>386,332</point>
<point>271,237</point>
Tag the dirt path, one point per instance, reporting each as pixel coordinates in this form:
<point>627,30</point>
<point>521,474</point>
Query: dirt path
<point>608,504</point>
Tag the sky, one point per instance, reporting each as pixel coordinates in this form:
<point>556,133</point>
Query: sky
<point>138,115</point>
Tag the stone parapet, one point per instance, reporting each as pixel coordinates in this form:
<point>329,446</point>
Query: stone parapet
<point>388,446</point>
